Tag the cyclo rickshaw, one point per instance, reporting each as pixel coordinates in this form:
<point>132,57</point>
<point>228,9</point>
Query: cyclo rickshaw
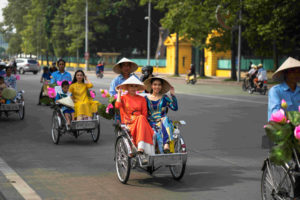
<point>17,105</point>
<point>76,128</point>
<point>126,157</point>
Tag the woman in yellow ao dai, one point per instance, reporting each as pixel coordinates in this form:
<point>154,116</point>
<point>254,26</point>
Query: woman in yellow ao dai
<point>84,105</point>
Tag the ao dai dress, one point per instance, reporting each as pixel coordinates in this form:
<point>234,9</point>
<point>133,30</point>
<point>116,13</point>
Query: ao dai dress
<point>84,105</point>
<point>133,110</point>
<point>161,124</point>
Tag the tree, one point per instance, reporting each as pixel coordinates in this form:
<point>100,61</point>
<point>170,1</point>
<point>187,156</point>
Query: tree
<point>13,18</point>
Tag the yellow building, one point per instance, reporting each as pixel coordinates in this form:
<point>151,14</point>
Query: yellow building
<point>184,54</point>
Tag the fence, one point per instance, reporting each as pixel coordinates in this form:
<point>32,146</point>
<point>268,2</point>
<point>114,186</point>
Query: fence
<point>267,63</point>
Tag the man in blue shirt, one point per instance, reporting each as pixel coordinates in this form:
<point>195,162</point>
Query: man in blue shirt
<point>61,74</point>
<point>289,75</point>
<point>125,68</point>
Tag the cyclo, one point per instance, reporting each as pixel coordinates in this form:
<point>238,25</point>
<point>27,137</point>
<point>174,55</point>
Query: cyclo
<point>126,157</point>
<point>76,128</point>
<point>17,105</point>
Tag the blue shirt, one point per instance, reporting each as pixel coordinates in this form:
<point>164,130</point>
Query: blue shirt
<point>283,91</point>
<point>46,76</point>
<point>2,72</point>
<point>117,81</point>
<point>57,76</point>
<point>11,81</point>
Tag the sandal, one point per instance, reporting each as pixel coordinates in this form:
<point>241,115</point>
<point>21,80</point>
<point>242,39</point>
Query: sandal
<point>143,159</point>
<point>167,151</point>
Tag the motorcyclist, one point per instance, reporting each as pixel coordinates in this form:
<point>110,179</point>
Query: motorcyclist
<point>261,75</point>
<point>252,75</point>
<point>146,73</point>
<point>191,76</point>
<point>100,69</point>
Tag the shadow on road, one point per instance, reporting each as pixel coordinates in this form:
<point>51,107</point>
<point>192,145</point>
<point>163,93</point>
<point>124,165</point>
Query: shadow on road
<point>197,178</point>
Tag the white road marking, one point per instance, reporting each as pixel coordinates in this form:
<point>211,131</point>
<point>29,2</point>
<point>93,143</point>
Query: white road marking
<point>17,182</point>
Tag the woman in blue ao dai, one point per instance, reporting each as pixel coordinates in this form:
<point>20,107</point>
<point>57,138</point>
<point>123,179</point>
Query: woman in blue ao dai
<point>158,103</point>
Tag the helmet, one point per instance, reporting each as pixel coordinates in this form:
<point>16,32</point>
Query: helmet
<point>147,70</point>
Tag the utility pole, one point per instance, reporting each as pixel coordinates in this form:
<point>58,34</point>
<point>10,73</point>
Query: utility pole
<point>149,32</point>
<point>240,43</point>
<point>86,55</point>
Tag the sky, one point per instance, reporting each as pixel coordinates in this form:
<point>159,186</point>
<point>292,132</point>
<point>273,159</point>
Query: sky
<point>3,4</point>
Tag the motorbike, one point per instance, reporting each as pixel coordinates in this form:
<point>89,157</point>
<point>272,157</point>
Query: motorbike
<point>191,79</point>
<point>262,89</point>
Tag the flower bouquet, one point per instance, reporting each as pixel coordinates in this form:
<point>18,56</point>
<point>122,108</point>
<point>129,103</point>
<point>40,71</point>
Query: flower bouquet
<point>107,111</point>
<point>284,130</point>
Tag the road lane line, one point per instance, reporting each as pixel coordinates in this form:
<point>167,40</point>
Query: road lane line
<point>17,182</point>
<point>226,98</point>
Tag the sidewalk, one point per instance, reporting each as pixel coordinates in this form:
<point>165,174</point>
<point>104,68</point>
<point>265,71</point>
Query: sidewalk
<point>181,79</point>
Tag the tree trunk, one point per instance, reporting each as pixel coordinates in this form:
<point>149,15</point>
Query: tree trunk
<point>47,58</point>
<point>233,55</point>
<point>275,55</point>
<point>202,61</point>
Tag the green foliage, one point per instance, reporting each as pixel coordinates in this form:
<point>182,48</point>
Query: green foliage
<point>282,134</point>
<point>102,112</point>
<point>294,117</point>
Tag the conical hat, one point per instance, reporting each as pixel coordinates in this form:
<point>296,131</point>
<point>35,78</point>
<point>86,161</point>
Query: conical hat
<point>117,67</point>
<point>288,64</point>
<point>9,93</point>
<point>130,81</point>
<point>165,84</point>
<point>67,101</point>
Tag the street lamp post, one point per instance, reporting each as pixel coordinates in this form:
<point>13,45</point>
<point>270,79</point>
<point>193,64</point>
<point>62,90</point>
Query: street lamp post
<point>149,32</point>
<point>240,43</point>
<point>86,55</point>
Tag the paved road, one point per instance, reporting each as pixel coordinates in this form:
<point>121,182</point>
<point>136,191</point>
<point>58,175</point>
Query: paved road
<point>223,136</point>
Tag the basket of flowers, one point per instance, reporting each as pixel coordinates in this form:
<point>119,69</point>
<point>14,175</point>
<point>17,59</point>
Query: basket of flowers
<point>283,129</point>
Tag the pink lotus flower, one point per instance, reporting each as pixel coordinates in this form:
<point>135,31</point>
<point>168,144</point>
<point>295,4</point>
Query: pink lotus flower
<point>297,132</point>
<point>284,104</point>
<point>70,82</point>
<point>51,92</point>
<point>59,83</point>
<point>115,96</point>
<point>18,77</point>
<point>105,91</point>
<point>103,95</point>
<point>92,94</point>
<point>278,116</point>
<point>109,107</point>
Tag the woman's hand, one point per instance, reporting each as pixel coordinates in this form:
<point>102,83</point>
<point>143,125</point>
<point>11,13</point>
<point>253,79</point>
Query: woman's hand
<point>172,90</point>
<point>119,95</point>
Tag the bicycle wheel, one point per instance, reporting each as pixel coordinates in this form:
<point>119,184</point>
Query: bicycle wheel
<point>244,86</point>
<point>22,111</point>
<point>276,183</point>
<point>96,132</point>
<point>123,162</point>
<point>177,171</point>
<point>55,132</point>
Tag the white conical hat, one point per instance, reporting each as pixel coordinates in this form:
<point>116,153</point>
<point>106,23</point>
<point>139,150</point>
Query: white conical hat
<point>165,84</point>
<point>288,64</point>
<point>132,80</point>
<point>117,67</point>
<point>67,101</point>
